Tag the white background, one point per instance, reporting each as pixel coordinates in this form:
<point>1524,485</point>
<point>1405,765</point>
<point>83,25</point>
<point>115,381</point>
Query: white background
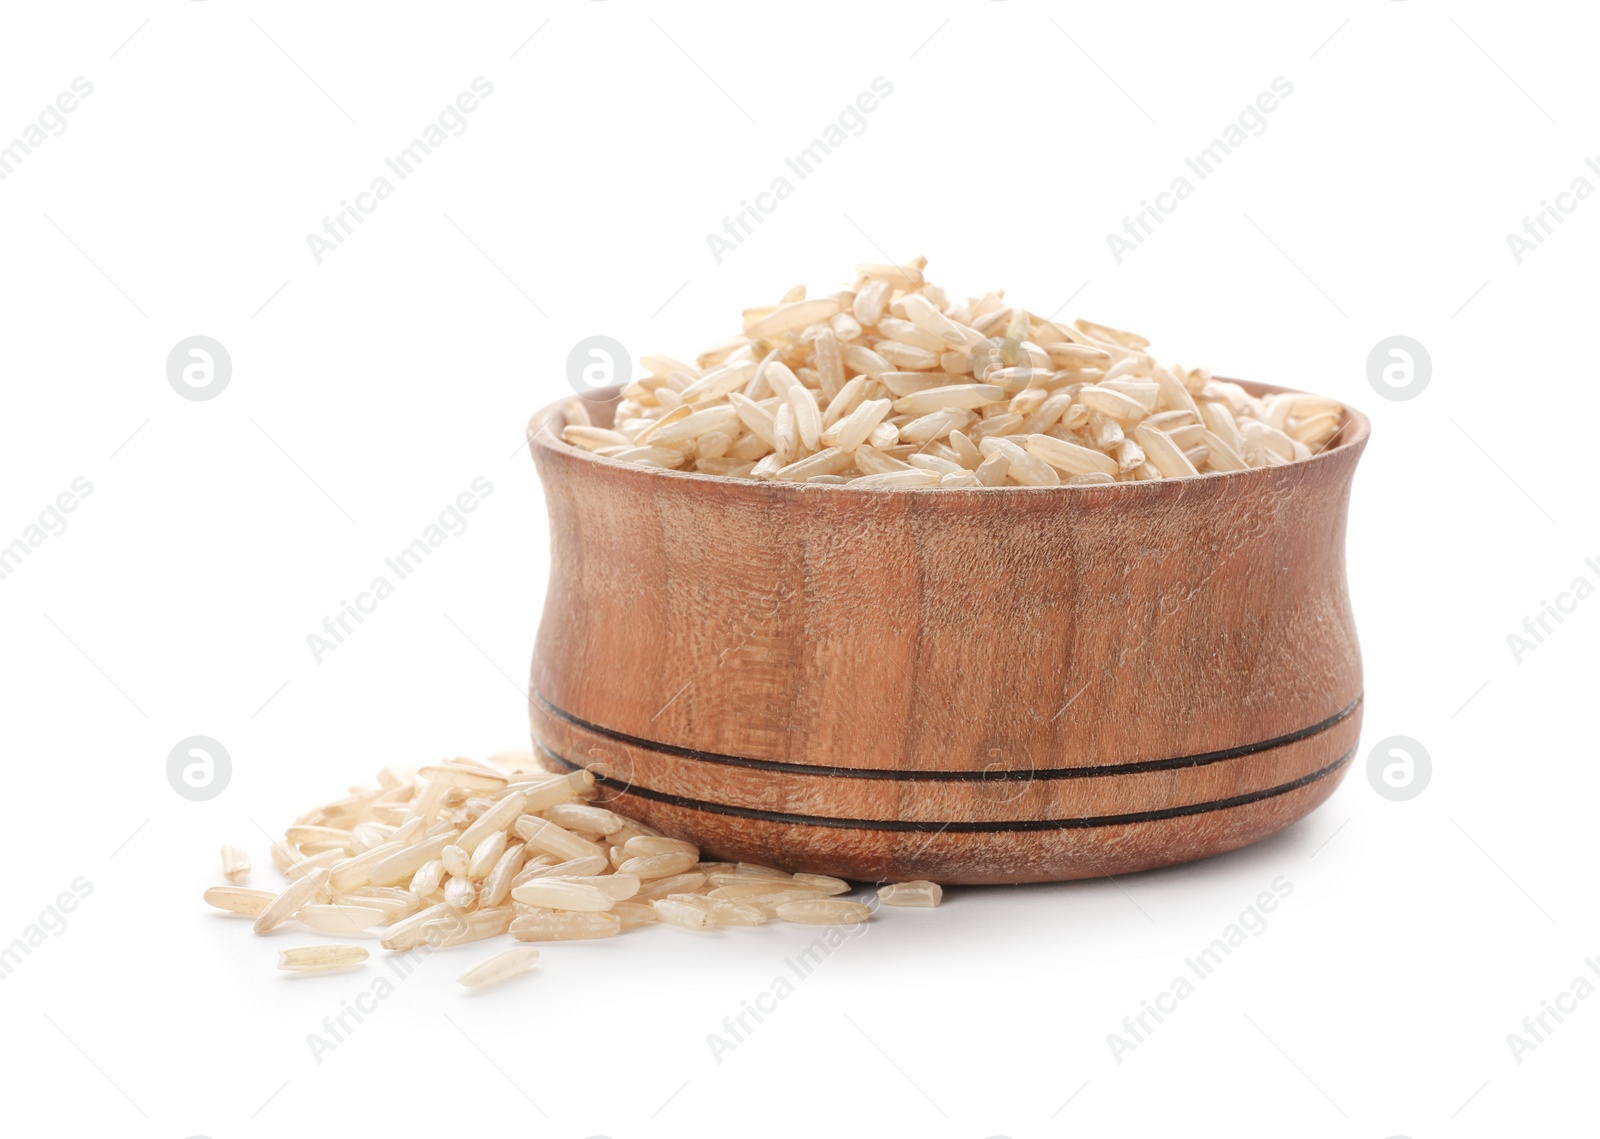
<point>369,390</point>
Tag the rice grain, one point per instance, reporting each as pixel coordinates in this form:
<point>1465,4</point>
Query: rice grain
<point>320,958</point>
<point>235,864</point>
<point>239,900</point>
<point>824,911</point>
<point>919,893</point>
<point>501,967</point>
<point>568,926</point>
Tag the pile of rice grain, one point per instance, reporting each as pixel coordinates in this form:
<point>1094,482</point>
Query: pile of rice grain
<point>887,383</point>
<point>464,851</point>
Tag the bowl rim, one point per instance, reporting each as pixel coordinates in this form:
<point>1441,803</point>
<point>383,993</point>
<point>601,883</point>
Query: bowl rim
<point>540,438</point>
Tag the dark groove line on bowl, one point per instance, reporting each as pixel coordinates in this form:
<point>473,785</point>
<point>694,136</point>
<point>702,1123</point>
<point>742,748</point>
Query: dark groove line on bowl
<point>1013,776</point>
<point>957,827</point>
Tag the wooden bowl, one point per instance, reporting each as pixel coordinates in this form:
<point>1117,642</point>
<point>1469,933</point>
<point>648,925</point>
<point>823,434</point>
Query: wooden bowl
<point>997,684</point>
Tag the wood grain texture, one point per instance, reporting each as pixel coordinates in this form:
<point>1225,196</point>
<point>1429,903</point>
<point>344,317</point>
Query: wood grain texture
<point>984,657</point>
<point>980,857</point>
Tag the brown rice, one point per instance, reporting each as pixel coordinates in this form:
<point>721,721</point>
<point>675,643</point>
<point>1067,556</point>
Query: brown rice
<point>890,384</point>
